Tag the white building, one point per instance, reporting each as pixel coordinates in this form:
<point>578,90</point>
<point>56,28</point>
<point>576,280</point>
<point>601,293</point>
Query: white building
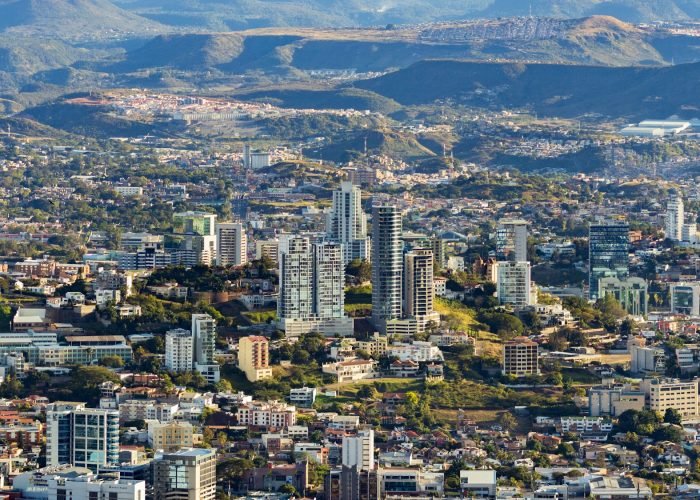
<point>312,294</point>
<point>179,350</point>
<point>675,218</point>
<point>513,285</point>
<point>129,190</point>
<point>418,351</point>
<point>358,450</point>
<point>478,483</point>
<point>89,487</point>
<point>346,223</point>
<point>231,244</point>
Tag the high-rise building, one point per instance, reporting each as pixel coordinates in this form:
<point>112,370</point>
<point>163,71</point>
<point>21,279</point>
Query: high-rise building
<point>513,284</point>
<point>201,223</point>
<point>179,350</point>
<point>387,265</point>
<point>520,357</point>
<point>254,358</point>
<point>312,294</point>
<point>419,290</point>
<point>195,238</point>
<point>84,437</point>
<point>439,254</point>
<point>347,223</point>
<point>358,450</point>
<point>608,251</point>
<point>204,335</point>
<point>329,281</point>
<point>675,218</point>
<point>187,474</point>
<point>296,279</point>
<point>231,244</point>
<point>511,240</point>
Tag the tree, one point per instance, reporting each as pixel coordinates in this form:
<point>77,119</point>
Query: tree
<point>507,421</point>
<point>221,439</point>
<point>5,317</point>
<point>224,386</point>
<point>288,489</point>
<point>673,416</point>
<point>114,361</point>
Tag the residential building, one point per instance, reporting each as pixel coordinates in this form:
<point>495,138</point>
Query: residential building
<point>170,436</point>
<point>358,450</point>
<point>196,236</point>
<point>84,437</point>
<point>179,350</point>
<point>419,291</point>
<point>511,241</point>
<point>254,358</point>
<point>303,396</point>
<point>662,394</point>
<point>513,285</point>
<point>187,474</point>
<point>231,244</point>
<point>520,357</point>
<point>418,351</point>
<point>608,251</point>
<point>387,265</point>
<point>631,293</point>
<point>204,335</point>
<point>347,223</point>
<point>312,293</point>
<point>675,218</point>
<point>273,414</point>
<point>352,370</point>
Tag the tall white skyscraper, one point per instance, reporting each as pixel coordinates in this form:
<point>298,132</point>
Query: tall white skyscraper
<point>295,270</point>
<point>387,265</point>
<point>511,240</point>
<point>419,290</point>
<point>312,294</point>
<point>347,223</point>
<point>204,335</point>
<point>329,281</point>
<point>675,218</point>
<point>179,350</point>
<point>359,450</point>
<point>231,244</point>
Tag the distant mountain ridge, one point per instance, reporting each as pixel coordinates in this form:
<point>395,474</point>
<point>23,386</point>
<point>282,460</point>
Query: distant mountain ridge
<point>71,19</point>
<point>244,14</point>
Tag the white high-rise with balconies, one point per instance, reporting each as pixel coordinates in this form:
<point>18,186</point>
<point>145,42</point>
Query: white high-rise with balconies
<point>675,218</point>
<point>312,294</point>
<point>347,223</point>
<point>179,350</point>
<point>511,240</point>
<point>231,244</point>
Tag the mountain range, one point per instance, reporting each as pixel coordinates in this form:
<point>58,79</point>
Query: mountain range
<point>241,14</point>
